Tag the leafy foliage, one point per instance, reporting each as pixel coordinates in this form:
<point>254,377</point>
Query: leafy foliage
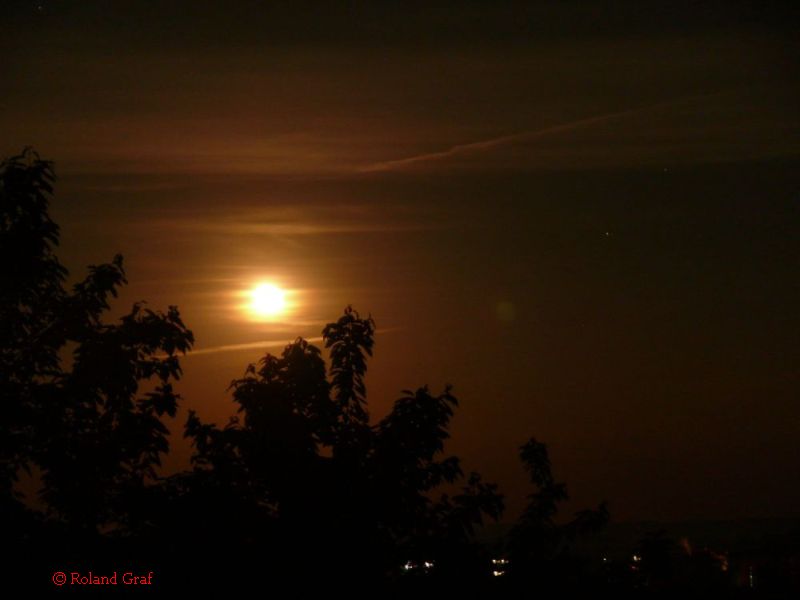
<point>300,471</point>
<point>94,430</point>
<point>311,460</point>
<point>350,341</point>
<point>537,539</point>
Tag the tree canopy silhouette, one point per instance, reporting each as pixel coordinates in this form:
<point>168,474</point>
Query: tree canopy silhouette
<point>538,544</point>
<point>82,399</point>
<point>300,480</point>
<point>304,452</point>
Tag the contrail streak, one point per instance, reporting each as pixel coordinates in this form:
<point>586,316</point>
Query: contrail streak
<point>459,149</point>
<point>249,346</point>
<point>263,345</point>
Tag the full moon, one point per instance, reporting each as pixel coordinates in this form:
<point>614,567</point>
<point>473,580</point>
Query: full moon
<point>267,300</point>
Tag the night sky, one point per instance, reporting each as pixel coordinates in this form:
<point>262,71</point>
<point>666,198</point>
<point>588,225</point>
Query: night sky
<point>585,218</point>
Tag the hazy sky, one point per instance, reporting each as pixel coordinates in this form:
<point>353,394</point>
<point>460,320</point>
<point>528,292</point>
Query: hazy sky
<point>585,218</point>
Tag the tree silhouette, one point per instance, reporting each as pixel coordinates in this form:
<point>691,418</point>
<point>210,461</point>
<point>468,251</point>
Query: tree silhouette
<point>299,481</point>
<point>350,340</point>
<point>538,544</point>
<point>82,400</point>
<point>303,452</point>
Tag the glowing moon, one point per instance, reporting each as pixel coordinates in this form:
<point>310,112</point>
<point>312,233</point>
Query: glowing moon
<point>267,300</point>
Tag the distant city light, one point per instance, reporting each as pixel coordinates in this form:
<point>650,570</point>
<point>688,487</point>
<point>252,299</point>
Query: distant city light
<point>499,563</point>
<point>425,565</point>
